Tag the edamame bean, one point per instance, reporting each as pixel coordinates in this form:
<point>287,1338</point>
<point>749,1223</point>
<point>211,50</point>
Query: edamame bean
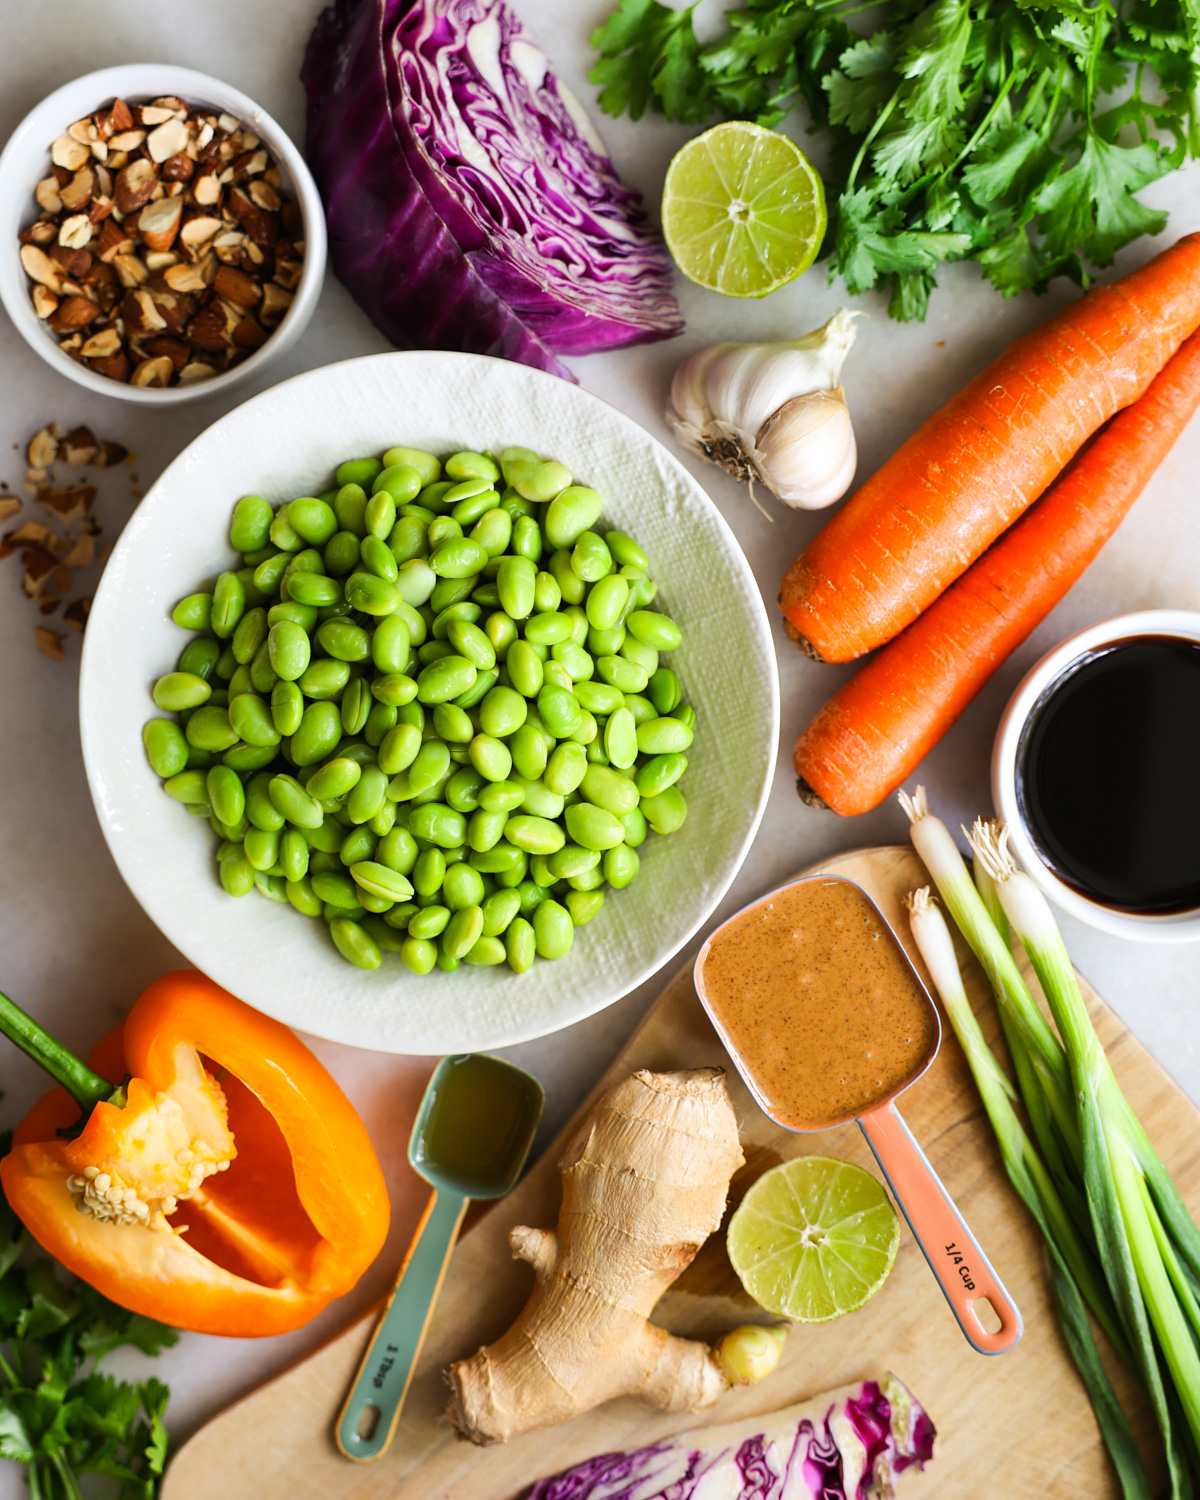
<point>166,747</point>
<point>501,631</point>
<point>485,830</point>
<point>499,911</point>
<point>429,872</point>
<point>625,550</point>
<point>378,880</point>
<point>607,601</point>
<point>599,697</point>
<point>269,573</point>
<point>593,827</point>
<point>424,465</point>
<point>453,724</point>
<point>590,558</point>
<point>380,517</point>
<point>553,930</point>
<point>399,749</point>
<point>320,730</point>
<point>490,757</point>
<point>520,945</point>
<point>324,679</point>
<point>236,874</point>
<point>371,595</point>
<point>249,635</point>
<point>304,615</point>
<point>302,896</point>
<point>463,931</point>
<point>621,864</point>
<point>525,670</point>
<point>398,850</point>
<point>312,520</point>
<point>664,736</point>
<point>526,538</point>
<point>199,658</point>
<point>543,482</point>
<point>439,824</point>
<point>250,525</point>
<point>654,629</point>
<point>390,648</point>
<point>429,922</point>
<point>583,905</point>
<point>355,944</point>
<point>287,707</point>
<point>516,581</point>
<point>416,584</point>
<point>188,787</point>
<point>445,679</point>
<point>293,855</point>
<point>334,779</point>
<point>226,796</point>
<point>560,710</point>
<point>572,860</point>
<point>181,690</point>
<point>252,721</point>
<point>409,540</point>
<point>622,674</point>
<point>501,796</point>
<point>566,768</point>
<point>419,955</point>
<point>534,835</point>
<point>337,888</point>
<point>530,748</point>
<point>547,595</point>
<point>548,629</point>
<point>394,689</point>
<point>359,471</point>
<point>487,950</point>
<point>431,765</point>
<point>606,642</point>
<point>502,712</point>
<point>469,465</point>
<point>194,612</point>
<point>686,715</point>
<point>657,774</point>
<point>293,802</point>
<point>356,705</point>
<point>538,799</point>
<point>400,482</point>
<point>462,887</point>
<point>469,641</point>
<point>342,554</point>
<point>571,513</point>
<point>457,557</point>
<point>209,728</point>
<point>344,640</point>
<point>606,789</point>
<point>261,847</point>
<point>464,788</point>
<point>493,531</point>
<point>228,604</point>
<point>289,650</point>
<point>667,812</point>
<point>442,528</point>
<point>620,739</point>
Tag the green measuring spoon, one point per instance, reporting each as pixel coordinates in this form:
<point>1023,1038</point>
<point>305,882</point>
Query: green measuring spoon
<point>470,1140</point>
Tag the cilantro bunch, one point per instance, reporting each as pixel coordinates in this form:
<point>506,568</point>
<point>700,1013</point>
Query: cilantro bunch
<point>1017,133</point>
<point>59,1416</point>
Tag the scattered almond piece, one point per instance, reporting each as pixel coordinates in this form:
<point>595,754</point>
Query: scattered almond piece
<point>49,642</point>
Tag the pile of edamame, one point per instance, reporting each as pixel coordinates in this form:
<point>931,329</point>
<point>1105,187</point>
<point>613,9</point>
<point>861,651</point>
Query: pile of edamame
<point>430,708</point>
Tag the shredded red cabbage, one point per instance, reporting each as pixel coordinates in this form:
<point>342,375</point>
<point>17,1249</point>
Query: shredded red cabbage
<point>847,1446</point>
<point>470,203</point>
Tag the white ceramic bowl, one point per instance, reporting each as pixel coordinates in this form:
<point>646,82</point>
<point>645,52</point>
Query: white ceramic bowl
<point>1174,927</point>
<point>286,442</point>
<point>25,160</point>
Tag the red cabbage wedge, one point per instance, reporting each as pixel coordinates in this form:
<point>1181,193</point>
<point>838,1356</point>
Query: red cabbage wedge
<point>471,204</point>
<point>849,1444</point>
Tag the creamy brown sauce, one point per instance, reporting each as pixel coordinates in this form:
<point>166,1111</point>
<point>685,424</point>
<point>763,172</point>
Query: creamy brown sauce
<point>818,1001</point>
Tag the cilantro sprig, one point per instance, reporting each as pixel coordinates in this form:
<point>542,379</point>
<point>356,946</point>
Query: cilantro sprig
<point>59,1416</point>
<point>1017,133</point>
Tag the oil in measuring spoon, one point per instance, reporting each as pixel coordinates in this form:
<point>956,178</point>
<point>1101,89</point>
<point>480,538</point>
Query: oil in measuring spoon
<point>818,1003</point>
<point>1107,775</point>
<point>476,1132</point>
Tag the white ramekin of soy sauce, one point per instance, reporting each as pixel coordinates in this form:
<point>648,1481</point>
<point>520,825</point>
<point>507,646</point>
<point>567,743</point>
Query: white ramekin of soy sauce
<point>1096,771</point>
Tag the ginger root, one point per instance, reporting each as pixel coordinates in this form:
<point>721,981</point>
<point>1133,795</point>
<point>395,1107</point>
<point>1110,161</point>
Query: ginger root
<point>644,1184</point>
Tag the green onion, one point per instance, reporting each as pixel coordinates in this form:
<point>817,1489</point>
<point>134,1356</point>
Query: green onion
<point>1076,1276</point>
<point>1094,1182</point>
<point>1126,1223</point>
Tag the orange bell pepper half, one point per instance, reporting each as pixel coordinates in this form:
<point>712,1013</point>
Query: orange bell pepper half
<point>228,1187</point>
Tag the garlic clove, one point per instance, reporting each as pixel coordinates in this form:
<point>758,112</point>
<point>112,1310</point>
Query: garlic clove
<point>772,413</point>
<point>805,453</point>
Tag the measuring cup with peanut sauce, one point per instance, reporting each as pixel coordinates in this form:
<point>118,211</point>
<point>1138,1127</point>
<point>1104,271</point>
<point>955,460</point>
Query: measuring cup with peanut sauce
<point>827,1021</point>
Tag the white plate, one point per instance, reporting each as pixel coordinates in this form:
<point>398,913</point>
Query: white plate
<point>286,442</point>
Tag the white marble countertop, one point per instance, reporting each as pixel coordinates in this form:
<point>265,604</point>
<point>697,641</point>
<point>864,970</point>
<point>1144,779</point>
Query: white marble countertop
<point>76,950</point>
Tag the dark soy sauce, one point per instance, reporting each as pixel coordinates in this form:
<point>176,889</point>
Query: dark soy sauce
<point>1108,775</point>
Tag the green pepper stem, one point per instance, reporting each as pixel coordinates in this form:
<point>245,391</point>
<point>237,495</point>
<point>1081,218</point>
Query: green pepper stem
<point>87,1088</point>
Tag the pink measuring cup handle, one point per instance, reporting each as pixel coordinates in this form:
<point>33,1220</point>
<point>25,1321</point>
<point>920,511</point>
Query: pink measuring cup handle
<point>963,1271</point>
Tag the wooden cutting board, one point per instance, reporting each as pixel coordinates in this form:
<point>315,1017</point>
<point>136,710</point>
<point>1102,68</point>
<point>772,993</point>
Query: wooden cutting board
<point>1018,1424</point>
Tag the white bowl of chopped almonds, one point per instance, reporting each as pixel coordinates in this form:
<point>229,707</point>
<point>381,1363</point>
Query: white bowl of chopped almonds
<point>166,238</point>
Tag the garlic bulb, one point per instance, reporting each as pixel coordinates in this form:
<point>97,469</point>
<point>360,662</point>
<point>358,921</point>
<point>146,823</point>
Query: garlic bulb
<point>772,413</point>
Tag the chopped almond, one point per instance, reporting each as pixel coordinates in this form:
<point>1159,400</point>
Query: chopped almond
<point>49,642</point>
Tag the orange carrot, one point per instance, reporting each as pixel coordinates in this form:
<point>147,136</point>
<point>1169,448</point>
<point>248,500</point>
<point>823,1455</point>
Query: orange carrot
<point>963,477</point>
<point>873,732</point>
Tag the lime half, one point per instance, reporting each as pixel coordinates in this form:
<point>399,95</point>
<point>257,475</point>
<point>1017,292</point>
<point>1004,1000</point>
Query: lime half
<point>814,1238</point>
<point>743,210</point>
